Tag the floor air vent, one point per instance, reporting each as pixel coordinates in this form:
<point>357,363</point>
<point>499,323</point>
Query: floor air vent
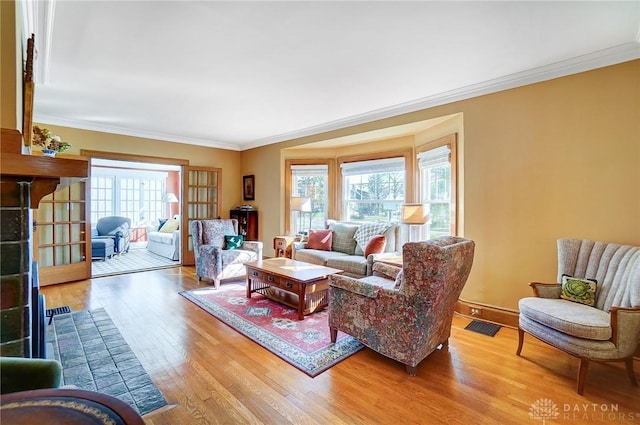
<point>483,328</point>
<point>58,310</point>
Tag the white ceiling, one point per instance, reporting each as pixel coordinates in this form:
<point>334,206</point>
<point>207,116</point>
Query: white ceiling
<point>242,74</point>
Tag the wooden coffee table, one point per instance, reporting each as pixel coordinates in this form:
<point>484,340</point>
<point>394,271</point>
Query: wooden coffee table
<point>300,285</point>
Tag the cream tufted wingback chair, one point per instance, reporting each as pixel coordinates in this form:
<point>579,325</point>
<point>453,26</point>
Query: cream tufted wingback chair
<point>607,331</point>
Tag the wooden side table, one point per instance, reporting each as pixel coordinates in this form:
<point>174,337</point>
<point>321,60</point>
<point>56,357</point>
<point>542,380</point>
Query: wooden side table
<point>395,260</point>
<point>282,245</point>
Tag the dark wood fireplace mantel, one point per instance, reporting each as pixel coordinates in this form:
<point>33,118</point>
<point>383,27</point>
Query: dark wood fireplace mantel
<point>44,173</point>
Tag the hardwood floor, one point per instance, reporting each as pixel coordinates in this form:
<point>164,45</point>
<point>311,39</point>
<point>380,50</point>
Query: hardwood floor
<point>211,374</point>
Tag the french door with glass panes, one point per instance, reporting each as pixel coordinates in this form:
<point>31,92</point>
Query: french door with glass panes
<point>202,189</point>
<point>60,234</point>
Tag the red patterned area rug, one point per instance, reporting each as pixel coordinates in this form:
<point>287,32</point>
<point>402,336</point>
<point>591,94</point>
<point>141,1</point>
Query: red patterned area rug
<point>304,344</point>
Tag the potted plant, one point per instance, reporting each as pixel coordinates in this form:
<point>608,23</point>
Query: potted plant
<point>50,143</point>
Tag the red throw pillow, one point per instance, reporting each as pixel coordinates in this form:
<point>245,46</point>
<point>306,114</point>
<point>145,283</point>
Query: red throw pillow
<point>320,239</point>
<point>376,245</point>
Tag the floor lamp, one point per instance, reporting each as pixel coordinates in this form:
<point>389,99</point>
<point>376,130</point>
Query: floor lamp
<point>300,204</point>
<point>170,198</point>
<point>415,216</point>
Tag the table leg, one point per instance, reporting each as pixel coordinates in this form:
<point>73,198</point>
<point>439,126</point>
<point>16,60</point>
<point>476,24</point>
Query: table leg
<point>301,302</point>
<point>248,287</point>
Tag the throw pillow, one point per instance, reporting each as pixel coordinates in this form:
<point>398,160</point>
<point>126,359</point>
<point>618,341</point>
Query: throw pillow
<point>233,241</point>
<point>376,245</point>
<point>161,223</point>
<point>579,290</point>
<point>170,226</point>
<point>365,232</point>
<point>343,237</point>
<point>320,239</point>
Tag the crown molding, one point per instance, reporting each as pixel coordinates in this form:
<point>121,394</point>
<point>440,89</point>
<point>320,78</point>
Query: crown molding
<point>607,57</point>
<point>602,58</point>
<point>91,126</point>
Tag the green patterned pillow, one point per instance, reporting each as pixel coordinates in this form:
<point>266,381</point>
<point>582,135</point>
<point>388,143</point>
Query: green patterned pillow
<point>233,241</point>
<point>579,290</point>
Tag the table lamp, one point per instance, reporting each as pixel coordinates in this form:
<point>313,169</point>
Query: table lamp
<point>415,216</point>
<point>302,205</point>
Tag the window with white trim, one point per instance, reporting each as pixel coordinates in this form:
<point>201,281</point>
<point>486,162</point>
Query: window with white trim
<point>133,194</point>
<point>436,189</point>
<point>373,190</point>
<point>309,197</point>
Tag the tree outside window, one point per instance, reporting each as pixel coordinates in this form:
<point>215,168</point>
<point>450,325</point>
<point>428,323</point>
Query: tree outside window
<point>373,190</point>
<point>310,181</point>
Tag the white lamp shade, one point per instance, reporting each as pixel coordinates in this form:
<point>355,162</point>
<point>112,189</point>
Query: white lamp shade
<point>300,204</point>
<point>414,214</point>
<point>170,198</point>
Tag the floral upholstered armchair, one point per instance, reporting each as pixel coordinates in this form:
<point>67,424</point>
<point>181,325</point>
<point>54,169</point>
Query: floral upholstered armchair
<point>404,313</point>
<point>216,258</point>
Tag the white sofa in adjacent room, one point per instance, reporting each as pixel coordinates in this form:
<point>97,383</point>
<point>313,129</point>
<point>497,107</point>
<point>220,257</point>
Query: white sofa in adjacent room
<point>164,242</point>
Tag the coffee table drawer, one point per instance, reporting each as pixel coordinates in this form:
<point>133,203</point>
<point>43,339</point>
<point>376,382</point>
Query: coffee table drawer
<point>255,274</point>
<point>267,278</point>
<point>290,285</point>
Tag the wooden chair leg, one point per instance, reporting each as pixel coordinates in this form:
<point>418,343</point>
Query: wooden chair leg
<point>520,341</point>
<point>412,370</point>
<point>628,363</point>
<point>582,374</point>
<point>333,333</point>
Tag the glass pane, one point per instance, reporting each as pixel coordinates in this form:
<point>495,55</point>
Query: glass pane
<point>374,196</point>
<point>203,178</point>
<point>45,257</point>
<point>45,234</point>
<point>77,211</point>
<point>77,191</point>
<point>77,253</point>
<point>309,182</point>
<point>61,211</point>
<point>77,232</point>
<point>436,192</point>
<point>62,234</point>
<point>45,212</point>
<point>203,211</point>
<point>62,255</point>
<point>61,195</point>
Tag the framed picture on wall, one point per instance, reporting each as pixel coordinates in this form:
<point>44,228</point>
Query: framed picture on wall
<point>248,188</point>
